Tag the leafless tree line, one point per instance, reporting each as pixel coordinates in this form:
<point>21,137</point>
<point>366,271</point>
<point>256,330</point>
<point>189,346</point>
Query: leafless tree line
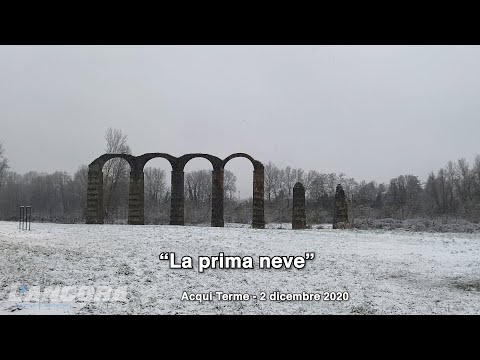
<point>453,192</point>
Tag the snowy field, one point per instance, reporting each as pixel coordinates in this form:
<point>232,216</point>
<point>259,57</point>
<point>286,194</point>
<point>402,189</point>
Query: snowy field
<point>384,272</point>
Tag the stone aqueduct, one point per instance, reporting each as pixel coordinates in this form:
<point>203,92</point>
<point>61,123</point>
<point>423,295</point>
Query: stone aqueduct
<point>95,213</point>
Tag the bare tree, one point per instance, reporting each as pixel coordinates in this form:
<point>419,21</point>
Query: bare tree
<point>270,174</point>
<point>229,183</point>
<point>156,206</point>
<point>115,171</point>
<point>80,184</point>
<point>440,189</point>
<point>81,179</point>
<point>278,181</point>
<point>155,184</point>
<point>476,177</point>
<point>198,186</point>
<point>298,176</point>
<point>289,182</point>
<point>331,184</point>
<point>3,166</point>
<point>308,179</point>
<point>475,174</point>
<point>198,196</point>
<point>464,184</point>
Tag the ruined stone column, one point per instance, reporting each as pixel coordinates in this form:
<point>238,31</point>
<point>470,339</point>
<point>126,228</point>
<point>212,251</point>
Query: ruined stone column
<point>217,198</point>
<point>340,211</point>
<point>136,196</point>
<point>258,221</point>
<point>177,198</point>
<point>299,219</point>
<point>95,196</point>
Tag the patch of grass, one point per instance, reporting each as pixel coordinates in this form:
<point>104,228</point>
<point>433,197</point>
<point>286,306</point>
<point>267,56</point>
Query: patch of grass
<point>468,286</point>
<point>363,309</point>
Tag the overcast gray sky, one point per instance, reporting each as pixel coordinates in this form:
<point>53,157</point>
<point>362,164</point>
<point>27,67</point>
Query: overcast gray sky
<point>372,112</point>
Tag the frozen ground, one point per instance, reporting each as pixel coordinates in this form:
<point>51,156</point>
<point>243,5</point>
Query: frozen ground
<point>384,272</point>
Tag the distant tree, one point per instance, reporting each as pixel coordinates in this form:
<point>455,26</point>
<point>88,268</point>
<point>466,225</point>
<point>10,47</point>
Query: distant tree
<point>3,165</point>
<point>367,192</point>
<point>12,195</point>
<point>314,185</point>
<point>80,184</point>
<point>298,176</point>
<point>403,195</point>
<point>279,181</point>
<point>115,172</point>
<point>439,190</point>
<point>155,185</point>
<point>198,196</point>
<point>198,186</point>
<point>331,184</point>
<point>62,186</point>
<point>464,185</point>
<point>229,183</point>
<point>308,179</point>
<point>271,173</point>
<point>476,179</point>
<point>155,190</point>
<point>289,182</point>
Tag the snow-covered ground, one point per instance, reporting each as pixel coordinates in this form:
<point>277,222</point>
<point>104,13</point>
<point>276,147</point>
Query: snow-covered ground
<point>384,272</point>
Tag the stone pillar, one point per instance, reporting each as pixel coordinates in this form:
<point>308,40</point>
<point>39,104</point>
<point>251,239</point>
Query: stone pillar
<point>340,211</point>
<point>258,221</point>
<point>95,196</point>
<point>136,195</point>
<point>299,219</point>
<point>217,198</point>
<point>177,198</point>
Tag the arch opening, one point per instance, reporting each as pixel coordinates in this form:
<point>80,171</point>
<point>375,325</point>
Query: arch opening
<point>238,191</point>
<point>116,186</point>
<point>258,214</point>
<point>157,191</point>
<point>198,191</point>
<point>108,188</point>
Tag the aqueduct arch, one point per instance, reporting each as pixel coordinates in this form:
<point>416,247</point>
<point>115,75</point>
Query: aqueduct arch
<point>258,218</point>
<point>136,190</point>
<point>217,188</point>
<point>95,214</point>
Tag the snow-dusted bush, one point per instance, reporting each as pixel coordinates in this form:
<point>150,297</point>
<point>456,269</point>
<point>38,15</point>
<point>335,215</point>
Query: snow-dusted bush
<point>437,225</point>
